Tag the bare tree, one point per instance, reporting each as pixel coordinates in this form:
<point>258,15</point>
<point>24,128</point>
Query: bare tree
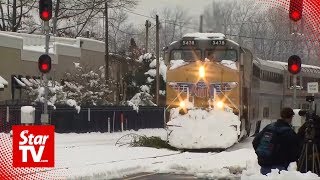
<point>13,13</point>
<point>266,32</point>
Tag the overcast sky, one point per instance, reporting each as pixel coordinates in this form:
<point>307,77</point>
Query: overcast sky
<point>194,7</point>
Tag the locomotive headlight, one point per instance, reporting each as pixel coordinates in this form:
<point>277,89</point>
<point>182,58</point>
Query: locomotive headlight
<point>182,104</point>
<point>220,104</point>
<point>202,72</point>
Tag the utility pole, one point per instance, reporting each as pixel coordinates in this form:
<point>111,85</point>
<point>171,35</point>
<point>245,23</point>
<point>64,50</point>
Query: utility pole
<point>201,24</point>
<point>158,60</point>
<point>106,55</point>
<point>148,25</point>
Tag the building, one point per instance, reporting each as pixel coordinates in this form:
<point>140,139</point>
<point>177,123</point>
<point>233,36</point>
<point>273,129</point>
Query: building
<point>20,53</point>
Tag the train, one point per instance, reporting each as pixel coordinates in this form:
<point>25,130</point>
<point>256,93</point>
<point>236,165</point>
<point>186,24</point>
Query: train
<point>211,70</point>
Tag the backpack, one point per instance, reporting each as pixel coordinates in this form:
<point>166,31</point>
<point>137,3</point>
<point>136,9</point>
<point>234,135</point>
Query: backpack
<point>269,144</point>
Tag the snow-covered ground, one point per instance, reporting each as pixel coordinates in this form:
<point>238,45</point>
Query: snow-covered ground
<point>95,156</point>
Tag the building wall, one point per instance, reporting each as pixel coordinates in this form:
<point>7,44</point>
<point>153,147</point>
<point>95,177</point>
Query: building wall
<point>10,64</point>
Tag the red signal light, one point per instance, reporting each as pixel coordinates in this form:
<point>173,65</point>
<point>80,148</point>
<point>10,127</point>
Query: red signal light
<point>45,16</point>
<point>44,63</point>
<point>295,9</point>
<point>45,9</point>
<point>44,67</point>
<point>294,64</point>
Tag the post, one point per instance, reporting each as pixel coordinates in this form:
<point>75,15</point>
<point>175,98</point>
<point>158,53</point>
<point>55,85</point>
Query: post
<point>158,60</point>
<point>89,114</point>
<point>109,129</point>
<point>201,24</point>
<point>294,103</point>
<point>121,119</point>
<point>114,118</point>
<point>45,116</point>
<point>147,34</point>
<point>126,124</point>
<point>106,55</point>
<point>8,114</point>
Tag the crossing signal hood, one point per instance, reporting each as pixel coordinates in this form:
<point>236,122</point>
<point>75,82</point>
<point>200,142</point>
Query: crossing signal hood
<point>294,64</point>
<point>44,63</point>
<point>45,9</point>
<point>295,10</point>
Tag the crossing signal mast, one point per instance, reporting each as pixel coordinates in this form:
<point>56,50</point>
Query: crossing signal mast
<point>44,62</point>
<point>294,62</point>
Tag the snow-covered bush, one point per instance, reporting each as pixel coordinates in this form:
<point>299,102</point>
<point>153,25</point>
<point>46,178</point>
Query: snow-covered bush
<point>82,86</point>
<point>87,87</point>
<point>145,79</point>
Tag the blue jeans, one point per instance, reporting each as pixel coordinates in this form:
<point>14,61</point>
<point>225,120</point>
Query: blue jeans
<point>267,169</point>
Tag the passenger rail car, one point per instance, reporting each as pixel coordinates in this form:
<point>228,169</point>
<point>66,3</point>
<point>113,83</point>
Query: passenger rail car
<point>272,89</point>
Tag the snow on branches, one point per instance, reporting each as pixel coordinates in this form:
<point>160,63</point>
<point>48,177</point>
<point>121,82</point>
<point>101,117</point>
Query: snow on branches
<point>81,87</point>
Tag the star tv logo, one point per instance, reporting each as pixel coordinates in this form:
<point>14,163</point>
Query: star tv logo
<point>33,146</point>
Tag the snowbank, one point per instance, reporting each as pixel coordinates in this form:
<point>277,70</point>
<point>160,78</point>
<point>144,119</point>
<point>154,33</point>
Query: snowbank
<point>177,63</point>
<point>291,174</point>
<point>203,129</point>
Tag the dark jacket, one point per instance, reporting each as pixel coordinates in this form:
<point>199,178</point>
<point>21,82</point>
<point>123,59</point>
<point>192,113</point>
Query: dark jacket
<point>288,148</point>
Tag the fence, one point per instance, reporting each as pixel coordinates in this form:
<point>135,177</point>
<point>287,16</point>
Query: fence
<point>89,119</point>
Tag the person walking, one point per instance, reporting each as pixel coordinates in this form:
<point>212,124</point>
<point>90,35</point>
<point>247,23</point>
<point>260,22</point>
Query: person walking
<point>277,145</point>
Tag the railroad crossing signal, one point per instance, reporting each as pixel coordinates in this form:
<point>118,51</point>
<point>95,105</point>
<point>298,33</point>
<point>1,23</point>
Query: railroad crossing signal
<point>295,10</point>
<point>294,64</point>
<point>44,63</point>
<point>45,9</point>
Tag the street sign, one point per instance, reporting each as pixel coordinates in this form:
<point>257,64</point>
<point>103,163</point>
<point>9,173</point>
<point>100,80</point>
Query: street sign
<point>313,87</point>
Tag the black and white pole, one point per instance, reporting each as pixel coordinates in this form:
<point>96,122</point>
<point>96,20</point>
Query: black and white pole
<point>45,12</point>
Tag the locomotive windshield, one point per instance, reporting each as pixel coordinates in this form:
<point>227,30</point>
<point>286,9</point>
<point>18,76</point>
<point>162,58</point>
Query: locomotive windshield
<point>186,55</point>
<point>220,55</point>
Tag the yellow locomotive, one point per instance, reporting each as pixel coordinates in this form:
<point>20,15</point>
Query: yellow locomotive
<point>209,70</point>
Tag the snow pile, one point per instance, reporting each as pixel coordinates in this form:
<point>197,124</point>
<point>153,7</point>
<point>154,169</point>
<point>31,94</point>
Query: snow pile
<point>229,64</point>
<point>203,129</point>
<point>291,174</point>
<point>73,103</point>
<point>177,63</point>
<point>3,81</point>
<point>141,99</point>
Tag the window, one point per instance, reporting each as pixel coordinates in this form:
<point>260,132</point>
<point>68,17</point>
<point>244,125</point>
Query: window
<point>186,55</point>
<point>219,55</point>
<point>265,112</point>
